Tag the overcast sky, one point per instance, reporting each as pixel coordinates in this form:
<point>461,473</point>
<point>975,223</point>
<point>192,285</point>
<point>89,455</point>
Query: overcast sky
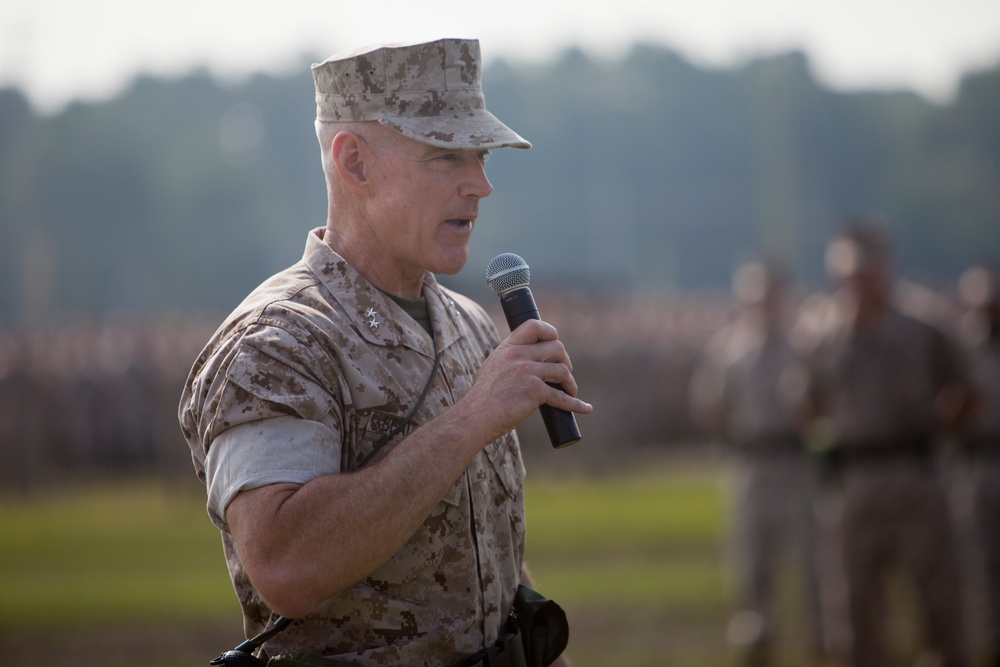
<point>61,50</point>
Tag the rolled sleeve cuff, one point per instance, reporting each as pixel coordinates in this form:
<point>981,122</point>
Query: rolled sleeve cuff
<point>268,451</point>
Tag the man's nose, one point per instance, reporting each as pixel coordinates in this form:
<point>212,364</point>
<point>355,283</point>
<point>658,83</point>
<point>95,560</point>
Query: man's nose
<point>477,184</point>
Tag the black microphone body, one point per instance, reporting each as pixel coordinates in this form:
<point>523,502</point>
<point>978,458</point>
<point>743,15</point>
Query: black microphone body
<point>518,307</point>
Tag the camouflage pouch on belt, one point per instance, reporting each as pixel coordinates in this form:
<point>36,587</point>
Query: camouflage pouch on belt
<point>535,635</point>
<point>543,627</point>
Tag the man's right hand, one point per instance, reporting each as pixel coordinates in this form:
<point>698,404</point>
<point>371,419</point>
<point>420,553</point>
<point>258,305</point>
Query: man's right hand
<point>518,377</point>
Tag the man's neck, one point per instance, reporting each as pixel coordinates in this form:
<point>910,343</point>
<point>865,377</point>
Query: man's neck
<point>373,266</point>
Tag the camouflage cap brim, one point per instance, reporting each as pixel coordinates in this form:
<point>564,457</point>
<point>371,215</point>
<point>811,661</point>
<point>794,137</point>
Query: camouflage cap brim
<point>429,92</point>
<point>472,130</point>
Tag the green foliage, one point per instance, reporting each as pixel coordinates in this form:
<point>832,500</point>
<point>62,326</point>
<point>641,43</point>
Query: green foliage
<point>110,554</point>
<point>622,555</point>
<point>148,551</point>
<point>635,560</point>
<point>648,512</point>
<point>592,543</point>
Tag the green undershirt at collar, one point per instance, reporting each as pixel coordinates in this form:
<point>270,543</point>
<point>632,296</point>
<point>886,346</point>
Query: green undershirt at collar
<point>415,308</point>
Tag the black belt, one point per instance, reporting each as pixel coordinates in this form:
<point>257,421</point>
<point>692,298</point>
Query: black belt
<point>982,447</point>
<point>536,633</point>
<point>508,651</point>
<point>852,453</point>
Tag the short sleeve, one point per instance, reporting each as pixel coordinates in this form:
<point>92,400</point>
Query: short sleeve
<point>268,451</point>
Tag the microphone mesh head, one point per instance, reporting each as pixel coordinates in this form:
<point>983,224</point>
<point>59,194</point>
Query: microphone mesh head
<point>506,272</point>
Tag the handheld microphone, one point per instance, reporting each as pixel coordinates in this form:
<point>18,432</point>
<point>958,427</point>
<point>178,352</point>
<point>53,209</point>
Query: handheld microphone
<point>508,277</point>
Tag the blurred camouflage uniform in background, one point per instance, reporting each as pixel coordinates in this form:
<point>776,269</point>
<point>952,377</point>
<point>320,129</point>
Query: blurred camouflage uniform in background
<point>979,289</point>
<point>742,392</point>
<point>883,386</point>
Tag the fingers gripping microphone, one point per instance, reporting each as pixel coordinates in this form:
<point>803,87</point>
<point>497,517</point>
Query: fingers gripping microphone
<point>508,277</point>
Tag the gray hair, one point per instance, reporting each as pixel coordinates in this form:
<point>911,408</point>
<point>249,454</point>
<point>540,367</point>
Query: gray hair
<point>325,132</point>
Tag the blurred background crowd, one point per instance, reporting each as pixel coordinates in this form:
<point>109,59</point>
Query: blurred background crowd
<point>99,396</point>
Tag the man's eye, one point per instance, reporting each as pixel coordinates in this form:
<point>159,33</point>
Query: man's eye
<point>481,156</point>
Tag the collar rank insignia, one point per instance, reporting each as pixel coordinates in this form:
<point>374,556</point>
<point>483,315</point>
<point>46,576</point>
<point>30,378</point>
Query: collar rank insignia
<point>373,319</point>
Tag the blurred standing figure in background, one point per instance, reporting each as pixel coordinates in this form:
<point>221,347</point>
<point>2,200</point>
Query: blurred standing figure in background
<point>979,289</point>
<point>884,385</point>
<point>741,393</point>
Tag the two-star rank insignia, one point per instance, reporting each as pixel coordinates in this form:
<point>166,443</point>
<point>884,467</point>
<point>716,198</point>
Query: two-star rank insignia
<point>373,319</point>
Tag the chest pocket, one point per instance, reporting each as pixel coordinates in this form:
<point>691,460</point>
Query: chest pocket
<point>505,458</point>
<point>410,572</point>
<point>407,575</point>
<point>506,498</point>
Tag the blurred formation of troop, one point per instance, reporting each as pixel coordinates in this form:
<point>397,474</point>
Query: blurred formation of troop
<point>91,399</point>
<point>864,427</point>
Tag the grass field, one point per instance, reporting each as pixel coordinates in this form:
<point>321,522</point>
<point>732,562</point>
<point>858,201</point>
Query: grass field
<point>132,573</point>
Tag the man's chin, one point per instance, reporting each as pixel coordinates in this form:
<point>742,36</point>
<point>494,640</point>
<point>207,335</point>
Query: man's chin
<point>452,263</point>
<point>450,271</point>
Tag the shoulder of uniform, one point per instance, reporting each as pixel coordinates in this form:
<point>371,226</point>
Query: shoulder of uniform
<point>289,300</point>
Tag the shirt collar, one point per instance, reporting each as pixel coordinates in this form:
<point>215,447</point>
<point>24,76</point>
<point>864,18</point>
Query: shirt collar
<point>376,317</point>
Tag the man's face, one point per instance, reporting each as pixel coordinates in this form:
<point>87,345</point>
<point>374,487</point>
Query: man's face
<point>425,203</point>
<point>867,276</point>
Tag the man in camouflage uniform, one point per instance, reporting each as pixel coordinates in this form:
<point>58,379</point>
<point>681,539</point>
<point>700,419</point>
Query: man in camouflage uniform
<point>353,419</point>
<point>741,392</point>
<point>980,292</point>
<point>883,385</point>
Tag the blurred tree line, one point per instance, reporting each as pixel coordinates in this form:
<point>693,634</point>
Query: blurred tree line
<point>647,173</point>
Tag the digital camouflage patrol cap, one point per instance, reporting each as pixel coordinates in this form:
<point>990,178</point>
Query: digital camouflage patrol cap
<point>431,92</point>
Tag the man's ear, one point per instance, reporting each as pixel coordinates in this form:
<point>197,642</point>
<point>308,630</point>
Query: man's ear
<point>351,159</point>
